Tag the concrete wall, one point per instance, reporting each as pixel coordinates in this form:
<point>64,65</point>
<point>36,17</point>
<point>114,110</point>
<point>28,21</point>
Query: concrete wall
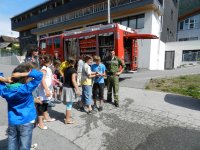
<point>11,60</point>
<point>170,19</point>
<point>178,47</point>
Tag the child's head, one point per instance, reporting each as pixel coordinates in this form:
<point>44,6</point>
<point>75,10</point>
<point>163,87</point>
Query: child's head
<point>97,59</point>
<point>21,68</point>
<point>71,61</point>
<point>56,63</point>
<point>88,59</point>
<point>45,60</point>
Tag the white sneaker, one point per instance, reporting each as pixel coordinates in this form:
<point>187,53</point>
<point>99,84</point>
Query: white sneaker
<point>34,146</point>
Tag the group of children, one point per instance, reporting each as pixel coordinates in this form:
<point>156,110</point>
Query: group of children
<point>29,84</point>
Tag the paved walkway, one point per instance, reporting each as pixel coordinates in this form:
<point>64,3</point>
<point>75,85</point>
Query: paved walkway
<point>141,78</point>
<point>145,120</point>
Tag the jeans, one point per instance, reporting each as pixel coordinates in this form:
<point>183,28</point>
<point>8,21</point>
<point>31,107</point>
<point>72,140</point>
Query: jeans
<point>87,94</point>
<point>20,136</point>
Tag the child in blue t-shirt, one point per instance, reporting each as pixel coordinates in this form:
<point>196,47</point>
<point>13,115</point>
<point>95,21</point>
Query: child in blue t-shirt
<point>21,108</point>
<point>98,86</point>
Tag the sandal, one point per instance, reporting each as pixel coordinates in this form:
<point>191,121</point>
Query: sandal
<point>43,128</point>
<point>69,122</point>
<point>49,120</point>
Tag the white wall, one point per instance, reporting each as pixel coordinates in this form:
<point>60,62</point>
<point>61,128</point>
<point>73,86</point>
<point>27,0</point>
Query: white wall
<point>156,51</point>
<point>144,45</point>
<point>151,52</point>
<point>178,47</point>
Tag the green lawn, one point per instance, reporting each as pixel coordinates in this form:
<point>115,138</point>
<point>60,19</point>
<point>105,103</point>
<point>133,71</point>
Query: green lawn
<point>185,85</point>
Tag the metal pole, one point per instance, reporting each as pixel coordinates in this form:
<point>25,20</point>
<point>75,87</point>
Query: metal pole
<point>108,11</point>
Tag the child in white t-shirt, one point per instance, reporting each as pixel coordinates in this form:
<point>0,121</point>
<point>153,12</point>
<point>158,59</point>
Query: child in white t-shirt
<point>45,92</point>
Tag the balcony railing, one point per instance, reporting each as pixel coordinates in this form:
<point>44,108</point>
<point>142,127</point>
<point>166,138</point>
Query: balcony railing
<point>96,8</point>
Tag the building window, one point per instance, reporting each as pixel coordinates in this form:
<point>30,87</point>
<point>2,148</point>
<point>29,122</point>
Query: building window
<point>188,39</point>
<point>191,55</point>
<point>186,24</point>
<point>49,44</point>
<point>132,23</point>
<point>42,44</point>
<point>181,25</point>
<point>193,38</point>
<point>140,22</point>
<point>24,33</point>
<point>43,9</point>
<point>124,22</point>
<point>135,22</point>
<point>192,23</point>
<point>56,42</point>
<point>189,23</point>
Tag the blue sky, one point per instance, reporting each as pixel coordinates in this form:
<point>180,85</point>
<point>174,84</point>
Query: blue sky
<point>10,8</point>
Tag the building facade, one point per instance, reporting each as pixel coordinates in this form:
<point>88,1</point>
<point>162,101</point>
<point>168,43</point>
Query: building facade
<point>186,51</point>
<point>189,26</point>
<point>145,16</point>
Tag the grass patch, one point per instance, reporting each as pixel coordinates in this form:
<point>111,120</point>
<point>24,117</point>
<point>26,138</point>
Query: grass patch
<point>185,85</point>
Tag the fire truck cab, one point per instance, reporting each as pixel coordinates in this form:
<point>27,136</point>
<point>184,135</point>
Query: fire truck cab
<point>97,40</point>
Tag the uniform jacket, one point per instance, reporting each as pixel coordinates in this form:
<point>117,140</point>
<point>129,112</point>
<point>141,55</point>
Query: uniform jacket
<point>113,65</point>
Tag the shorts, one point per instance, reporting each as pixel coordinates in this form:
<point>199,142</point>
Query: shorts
<point>68,95</point>
<point>41,108</point>
<point>98,91</point>
<point>87,94</point>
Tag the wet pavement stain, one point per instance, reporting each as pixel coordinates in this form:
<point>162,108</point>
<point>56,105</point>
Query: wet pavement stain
<point>126,135</point>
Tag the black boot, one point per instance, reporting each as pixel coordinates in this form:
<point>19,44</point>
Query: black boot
<point>116,104</point>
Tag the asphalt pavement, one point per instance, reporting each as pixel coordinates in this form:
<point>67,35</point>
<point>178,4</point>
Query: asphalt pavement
<point>145,120</point>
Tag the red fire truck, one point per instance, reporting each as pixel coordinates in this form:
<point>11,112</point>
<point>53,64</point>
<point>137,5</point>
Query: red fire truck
<point>97,40</point>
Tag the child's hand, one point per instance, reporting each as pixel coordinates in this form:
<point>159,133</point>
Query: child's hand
<point>22,74</point>
<point>37,100</point>
<point>78,93</point>
<point>60,84</point>
<point>6,80</point>
<point>16,74</point>
<point>47,93</point>
<point>9,80</point>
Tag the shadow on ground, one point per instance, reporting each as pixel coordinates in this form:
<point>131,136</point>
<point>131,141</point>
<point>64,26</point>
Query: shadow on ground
<point>171,138</point>
<point>58,115</point>
<point>3,144</point>
<point>183,101</point>
<point>124,78</point>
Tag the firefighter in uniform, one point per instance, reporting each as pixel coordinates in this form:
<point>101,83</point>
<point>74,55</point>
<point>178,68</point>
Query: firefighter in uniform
<point>113,64</point>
